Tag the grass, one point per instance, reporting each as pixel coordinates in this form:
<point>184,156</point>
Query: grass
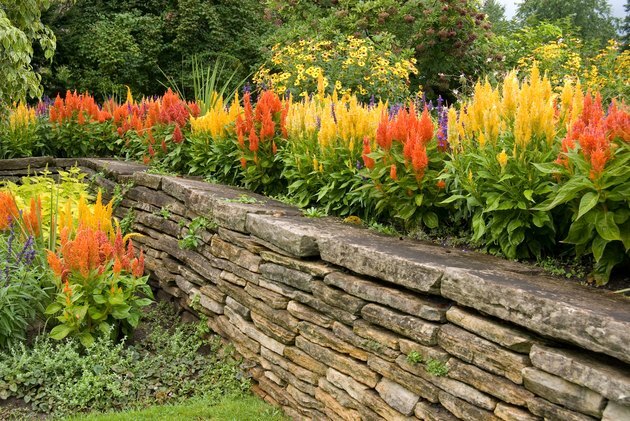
<point>237,409</point>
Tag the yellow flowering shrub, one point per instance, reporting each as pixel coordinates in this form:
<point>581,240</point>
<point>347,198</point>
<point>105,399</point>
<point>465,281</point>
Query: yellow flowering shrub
<point>17,131</point>
<point>559,59</point>
<point>609,72</point>
<point>351,65</point>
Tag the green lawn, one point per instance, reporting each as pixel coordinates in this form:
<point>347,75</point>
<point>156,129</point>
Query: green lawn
<point>237,409</point>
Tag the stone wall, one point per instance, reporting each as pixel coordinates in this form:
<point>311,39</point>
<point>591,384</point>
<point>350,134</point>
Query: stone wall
<point>338,322</point>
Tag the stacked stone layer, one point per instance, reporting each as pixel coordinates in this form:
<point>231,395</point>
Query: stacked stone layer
<point>336,322</point>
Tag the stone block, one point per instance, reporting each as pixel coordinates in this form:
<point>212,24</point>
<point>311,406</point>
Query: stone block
<point>346,365</point>
<point>213,292</point>
<point>416,384</point>
<point>273,299</point>
<point>429,308</point>
<point>606,377</point>
<point>426,352</point>
<point>550,307</point>
<point>562,392</point>
<point>295,235</point>
<point>489,383</point>
<point>240,256</point>
<point>244,345</point>
<point>552,412</point>
<point>324,308</point>
<point>291,277</point>
<point>304,312</point>
<point>250,330</point>
<point>482,353</point>
<point>315,268</point>
<point>143,178</point>
<point>302,359</point>
<point>465,411</point>
<point>412,327</point>
<point>278,287</point>
<point>273,330</point>
<point>337,298</point>
<point>328,339</point>
<point>432,412</point>
<point>333,409</point>
<point>511,338</point>
<point>372,400</point>
<point>242,240</point>
<point>616,412</point>
<point>367,344</point>
<point>239,308</point>
<point>513,413</point>
<point>382,336</point>
<point>304,399</point>
<point>209,304</point>
<point>302,374</point>
<point>396,396</point>
<point>21,163</point>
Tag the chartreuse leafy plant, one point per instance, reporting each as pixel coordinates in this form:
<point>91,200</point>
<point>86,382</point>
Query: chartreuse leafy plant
<point>18,131</point>
<point>594,172</point>
<point>495,139</point>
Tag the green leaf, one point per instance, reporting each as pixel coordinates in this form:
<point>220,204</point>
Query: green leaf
<point>86,339</point>
<point>430,219</point>
<point>53,308</point>
<point>579,232</point>
<point>598,246</point>
<point>418,199</point>
<point>452,198</point>
<point>588,202</point>
<point>528,195</point>
<point>61,331</point>
<point>606,227</point>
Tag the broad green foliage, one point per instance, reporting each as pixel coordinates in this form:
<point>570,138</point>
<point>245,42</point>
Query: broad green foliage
<point>20,29</point>
<point>105,46</point>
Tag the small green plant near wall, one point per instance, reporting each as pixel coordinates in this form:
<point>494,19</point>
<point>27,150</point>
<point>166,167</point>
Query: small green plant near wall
<point>126,224</point>
<point>192,239</point>
<point>314,212</point>
<point>414,357</point>
<point>164,212</point>
<point>120,190</point>
<point>436,367</point>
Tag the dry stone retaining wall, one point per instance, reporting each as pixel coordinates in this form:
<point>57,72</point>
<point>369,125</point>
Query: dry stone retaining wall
<point>337,322</point>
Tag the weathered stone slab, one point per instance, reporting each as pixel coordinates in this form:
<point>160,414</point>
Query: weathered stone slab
<point>368,331</point>
<point>333,409</point>
<point>239,308</point>
<point>347,365</point>
<point>511,338</point>
<point>113,168</point>
<point>143,178</point>
<point>396,396</point>
<point>274,378</point>
<point>287,276</point>
<point>150,201</point>
<point>272,299</point>
<point>296,235</point>
<point>210,304</point>
<point>21,163</point>
<point>304,312</point>
<point>513,413</point>
<point>426,352</point>
<point>592,319</point>
<point>315,268</point>
<point>552,412</point>
<point>427,308</point>
<point>346,383</point>
<point>370,345</point>
<point>296,370</point>
<point>303,399</point>
<point>324,308</point>
<point>302,359</point>
<point>562,392</point>
<point>183,284</point>
<point>273,330</point>
<point>608,378</point>
<point>432,412</point>
<point>213,292</point>
<point>454,387</point>
<point>250,330</point>
<point>244,345</point>
<point>327,338</point>
<point>242,240</point>
<point>482,353</point>
<point>416,384</point>
<point>280,395</point>
<point>488,383</point>
<point>240,256</point>
<point>337,298</point>
<point>399,262</point>
<point>278,287</point>
<point>463,410</point>
<point>412,327</point>
<point>158,223</point>
<point>616,412</point>
<point>378,405</point>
